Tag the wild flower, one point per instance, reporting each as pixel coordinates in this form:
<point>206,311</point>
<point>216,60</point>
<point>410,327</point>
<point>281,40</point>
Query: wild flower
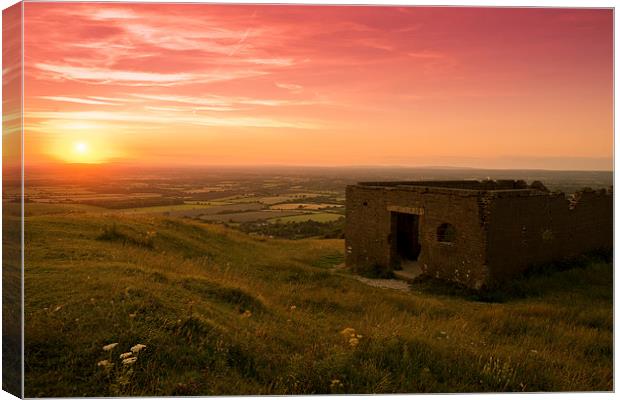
<point>335,384</point>
<point>133,315</point>
<point>353,342</point>
<point>246,314</point>
<point>125,355</point>
<point>57,308</point>
<point>293,307</point>
<point>347,332</point>
<point>136,349</point>
<point>104,363</point>
<point>109,347</point>
<point>129,361</point>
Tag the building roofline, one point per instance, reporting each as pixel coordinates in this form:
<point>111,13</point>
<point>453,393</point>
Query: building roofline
<point>461,187</point>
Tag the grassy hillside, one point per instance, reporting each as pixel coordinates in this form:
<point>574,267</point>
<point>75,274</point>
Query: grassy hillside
<point>221,312</point>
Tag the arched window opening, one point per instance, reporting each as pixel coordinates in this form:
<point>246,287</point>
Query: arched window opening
<point>446,233</point>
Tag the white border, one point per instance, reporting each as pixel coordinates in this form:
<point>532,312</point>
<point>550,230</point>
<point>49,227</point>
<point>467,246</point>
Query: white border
<point>483,3</point>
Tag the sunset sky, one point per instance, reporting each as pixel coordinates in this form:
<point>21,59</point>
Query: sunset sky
<point>179,84</point>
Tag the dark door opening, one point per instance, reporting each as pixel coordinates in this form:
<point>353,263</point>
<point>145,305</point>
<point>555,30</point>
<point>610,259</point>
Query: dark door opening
<point>407,234</point>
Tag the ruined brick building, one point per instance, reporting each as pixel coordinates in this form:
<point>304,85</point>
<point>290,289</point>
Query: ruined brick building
<point>471,232</point>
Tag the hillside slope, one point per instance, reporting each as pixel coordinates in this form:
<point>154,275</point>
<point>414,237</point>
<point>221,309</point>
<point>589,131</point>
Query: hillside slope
<point>221,312</point>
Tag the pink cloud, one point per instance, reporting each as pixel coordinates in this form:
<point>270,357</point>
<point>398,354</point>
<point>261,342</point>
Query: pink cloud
<point>137,78</point>
<point>430,79</point>
<point>79,100</point>
<point>166,119</point>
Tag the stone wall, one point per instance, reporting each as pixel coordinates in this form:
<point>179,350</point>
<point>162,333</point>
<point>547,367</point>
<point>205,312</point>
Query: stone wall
<point>369,236</point>
<point>501,227</point>
<point>524,231</point>
<point>462,184</point>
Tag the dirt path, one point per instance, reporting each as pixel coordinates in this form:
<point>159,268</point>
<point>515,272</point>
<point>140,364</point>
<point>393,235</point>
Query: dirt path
<point>395,284</point>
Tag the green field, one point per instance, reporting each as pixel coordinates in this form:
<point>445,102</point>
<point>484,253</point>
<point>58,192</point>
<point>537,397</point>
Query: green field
<point>318,217</point>
<point>221,312</point>
<point>247,216</point>
<point>49,208</point>
<point>218,211</point>
<point>169,208</point>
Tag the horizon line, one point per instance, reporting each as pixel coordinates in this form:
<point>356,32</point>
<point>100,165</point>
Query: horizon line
<point>308,166</point>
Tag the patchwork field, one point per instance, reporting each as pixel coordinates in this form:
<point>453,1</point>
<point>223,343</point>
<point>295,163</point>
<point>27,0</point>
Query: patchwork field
<point>296,207</point>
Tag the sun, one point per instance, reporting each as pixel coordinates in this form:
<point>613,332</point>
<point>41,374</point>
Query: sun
<point>80,148</point>
<point>83,146</point>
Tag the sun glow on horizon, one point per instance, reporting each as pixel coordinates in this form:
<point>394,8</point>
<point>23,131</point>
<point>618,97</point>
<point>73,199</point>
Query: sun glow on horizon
<point>83,153</point>
<point>73,148</point>
<point>81,148</point>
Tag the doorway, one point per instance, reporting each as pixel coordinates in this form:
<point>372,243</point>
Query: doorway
<point>405,229</point>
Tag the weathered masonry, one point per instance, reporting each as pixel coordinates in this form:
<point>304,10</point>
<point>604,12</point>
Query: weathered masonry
<point>471,232</point>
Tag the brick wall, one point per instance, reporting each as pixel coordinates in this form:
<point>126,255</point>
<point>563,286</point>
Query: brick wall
<point>500,184</point>
<point>369,239</point>
<point>501,227</point>
<point>530,230</point>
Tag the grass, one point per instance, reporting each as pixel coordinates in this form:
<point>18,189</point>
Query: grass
<point>11,299</point>
<point>221,312</point>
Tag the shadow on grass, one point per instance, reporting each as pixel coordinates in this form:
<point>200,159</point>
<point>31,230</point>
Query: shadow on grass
<point>113,233</point>
<point>375,272</point>
<point>579,274</point>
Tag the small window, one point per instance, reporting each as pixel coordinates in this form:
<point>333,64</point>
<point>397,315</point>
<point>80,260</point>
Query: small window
<point>446,233</point>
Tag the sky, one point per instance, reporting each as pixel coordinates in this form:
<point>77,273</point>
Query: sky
<point>195,84</point>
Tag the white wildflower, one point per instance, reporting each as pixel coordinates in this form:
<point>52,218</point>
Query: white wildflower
<point>125,355</point>
<point>137,348</point>
<point>336,384</point>
<point>110,346</point>
<point>348,332</point>
<point>104,363</point>
<point>129,361</point>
